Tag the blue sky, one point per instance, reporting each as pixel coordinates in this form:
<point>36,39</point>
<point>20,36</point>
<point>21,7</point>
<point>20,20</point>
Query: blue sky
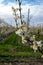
<point>36,10</point>
<point>35,2</point>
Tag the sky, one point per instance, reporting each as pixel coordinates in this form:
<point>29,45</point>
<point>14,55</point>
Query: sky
<point>35,6</point>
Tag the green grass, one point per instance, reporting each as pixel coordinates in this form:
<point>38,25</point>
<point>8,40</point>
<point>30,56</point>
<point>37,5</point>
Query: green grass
<point>14,39</point>
<point>14,42</point>
<point>17,51</point>
<point>40,38</point>
<point>21,55</point>
<point>12,47</point>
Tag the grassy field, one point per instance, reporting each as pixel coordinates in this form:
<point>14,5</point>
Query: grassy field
<point>12,47</point>
<point>40,38</point>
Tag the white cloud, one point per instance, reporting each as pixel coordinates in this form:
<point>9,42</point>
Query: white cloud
<point>1,1</point>
<point>35,10</point>
<point>38,14</point>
